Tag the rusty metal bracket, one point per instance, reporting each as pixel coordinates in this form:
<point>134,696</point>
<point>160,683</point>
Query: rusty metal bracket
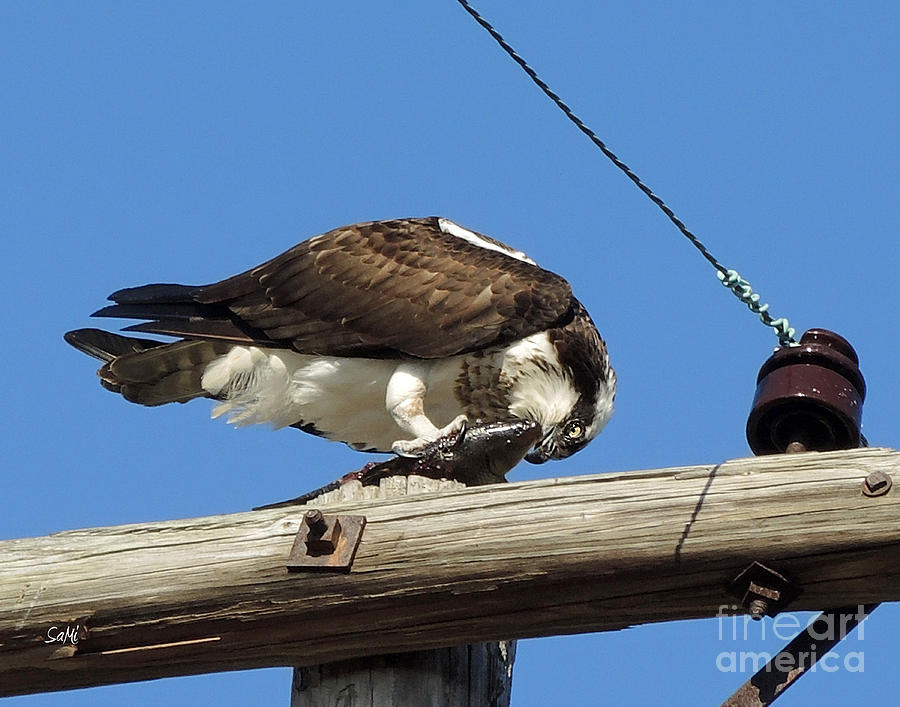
<point>799,656</point>
<point>763,591</point>
<point>326,542</point>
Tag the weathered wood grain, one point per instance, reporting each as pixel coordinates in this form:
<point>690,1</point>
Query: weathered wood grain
<point>588,553</point>
<point>476,674</point>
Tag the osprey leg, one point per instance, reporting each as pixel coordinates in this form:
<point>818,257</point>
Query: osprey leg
<point>405,401</point>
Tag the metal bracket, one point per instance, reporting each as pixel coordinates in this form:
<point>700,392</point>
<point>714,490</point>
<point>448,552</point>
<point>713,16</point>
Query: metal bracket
<point>326,543</point>
<point>798,657</point>
<point>763,591</point>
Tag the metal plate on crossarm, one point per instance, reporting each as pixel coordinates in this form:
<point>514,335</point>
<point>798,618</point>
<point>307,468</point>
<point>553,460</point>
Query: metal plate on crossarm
<point>326,543</point>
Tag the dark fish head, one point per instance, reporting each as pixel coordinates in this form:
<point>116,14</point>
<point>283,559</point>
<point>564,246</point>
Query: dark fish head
<point>491,450</point>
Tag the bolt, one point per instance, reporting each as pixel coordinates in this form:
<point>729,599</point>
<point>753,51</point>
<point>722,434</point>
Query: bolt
<point>795,447</point>
<point>877,484</point>
<point>315,520</point>
<point>758,608</point>
<point>763,591</point>
<point>323,536</point>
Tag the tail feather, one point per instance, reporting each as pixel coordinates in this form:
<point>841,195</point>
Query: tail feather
<point>208,328</point>
<point>155,294</point>
<point>149,366</point>
<point>174,310</point>
<point>145,371</point>
<point>177,387</point>
<point>106,346</point>
<point>156,310</point>
<point>150,372</point>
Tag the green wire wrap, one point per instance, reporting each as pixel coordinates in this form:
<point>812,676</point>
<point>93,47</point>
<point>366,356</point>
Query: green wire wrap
<point>742,290</point>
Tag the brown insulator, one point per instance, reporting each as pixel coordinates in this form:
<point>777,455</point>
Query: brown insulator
<point>808,397</point>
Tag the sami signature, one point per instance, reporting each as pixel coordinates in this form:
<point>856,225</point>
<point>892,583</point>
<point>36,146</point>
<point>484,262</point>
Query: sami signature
<point>69,634</point>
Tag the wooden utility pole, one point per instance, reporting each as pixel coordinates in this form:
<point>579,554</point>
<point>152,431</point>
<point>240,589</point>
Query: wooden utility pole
<point>479,674</point>
<point>557,556</point>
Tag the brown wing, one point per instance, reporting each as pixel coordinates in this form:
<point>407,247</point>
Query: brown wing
<point>370,289</point>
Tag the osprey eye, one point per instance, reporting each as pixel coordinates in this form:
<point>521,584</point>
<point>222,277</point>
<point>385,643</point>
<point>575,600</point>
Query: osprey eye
<point>574,430</point>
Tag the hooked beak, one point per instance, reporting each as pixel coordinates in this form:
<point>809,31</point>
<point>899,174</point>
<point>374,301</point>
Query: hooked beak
<point>542,451</point>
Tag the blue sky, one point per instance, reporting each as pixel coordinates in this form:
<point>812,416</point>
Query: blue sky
<point>184,142</point>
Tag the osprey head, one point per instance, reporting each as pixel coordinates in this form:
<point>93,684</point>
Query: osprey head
<point>576,402</point>
<point>574,432</point>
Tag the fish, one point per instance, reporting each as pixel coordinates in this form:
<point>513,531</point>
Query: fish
<point>475,455</point>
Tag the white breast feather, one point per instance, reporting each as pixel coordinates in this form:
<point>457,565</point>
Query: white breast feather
<point>343,397</point>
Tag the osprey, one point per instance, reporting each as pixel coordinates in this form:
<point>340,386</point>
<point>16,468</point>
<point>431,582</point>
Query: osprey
<point>386,335</point>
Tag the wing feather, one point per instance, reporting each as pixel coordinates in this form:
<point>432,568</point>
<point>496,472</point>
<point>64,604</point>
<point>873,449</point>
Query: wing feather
<point>380,288</point>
